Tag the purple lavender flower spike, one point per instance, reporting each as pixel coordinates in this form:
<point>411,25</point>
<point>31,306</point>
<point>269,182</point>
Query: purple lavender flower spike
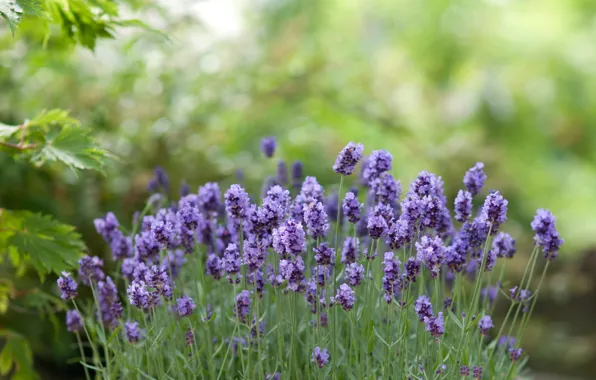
<point>474,178</point>
<point>546,235</point>
<point>268,145</point>
<point>354,274</point>
<point>515,354</point>
<point>209,198</point>
<point>74,321</point>
<point>213,266</point>
<point>68,286</point>
<point>282,173</point>
<point>331,208</point>
<point>463,206</point>
<point>90,269</point>
<point>435,325</point>
<point>386,212</point>
<point>348,158</point>
<point>431,252</point>
<point>110,310</point>
<point>320,357</point>
<point>184,189</point>
<point>188,214</point>
<point>386,189</point>
<point>484,324</point>
<point>351,207</point>
<point>121,246</point>
<point>297,174</point>
<point>494,210</point>
<point>504,245</point>
<point>293,273</point>
<point>146,245</point>
<point>231,260</point>
<point>242,307</point>
<point>324,255</point>
<point>345,297</point>
<point>107,226</point>
<point>455,256</point>
<point>464,370</point>
<point>158,278</point>
<point>315,218</point>
<point>312,191</point>
<point>491,292</point>
<point>376,226</point>
<point>423,308</point>
<point>275,206</point>
<point>237,202</point>
<point>350,251</point>
<point>138,295</point>
<point>399,233</point>
<point>477,372</point>
<point>412,269</point>
<point>391,266</point>
<point>378,162</point>
<point>255,253</point>
<point>289,239</point>
<point>132,332</point>
<point>189,337</point>
<point>185,306</point>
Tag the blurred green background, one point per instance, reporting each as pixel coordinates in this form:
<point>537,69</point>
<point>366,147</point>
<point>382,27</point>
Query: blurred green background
<point>440,84</point>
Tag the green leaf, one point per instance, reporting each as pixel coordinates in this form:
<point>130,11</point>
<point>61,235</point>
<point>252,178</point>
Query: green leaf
<point>47,245</point>
<point>75,147</point>
<point>7,130</point>
<point>6,294</point>
<point>16,351</point>
<point>455,319</point>
<point>12,12</point>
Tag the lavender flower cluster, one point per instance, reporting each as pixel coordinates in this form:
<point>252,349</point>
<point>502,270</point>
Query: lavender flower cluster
<point>299,243</point>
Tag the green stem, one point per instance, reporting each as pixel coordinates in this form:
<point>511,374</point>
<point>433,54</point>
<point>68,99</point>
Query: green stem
<point>80,344</point>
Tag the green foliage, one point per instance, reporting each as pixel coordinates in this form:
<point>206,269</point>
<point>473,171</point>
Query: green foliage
<point>16,356</point>
<point>40,241</point>
<point>80,22</point>
<point>54,136</point>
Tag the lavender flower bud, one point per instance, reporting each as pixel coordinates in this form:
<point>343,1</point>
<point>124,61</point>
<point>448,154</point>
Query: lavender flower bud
<point>477,372</point>
<point>90,269</point>
<point>431,252</point>
<point>289,239</point>
<point>351,207</point>
<point>515,354</point>
<point>354,274</point>
<point>474,178</point>
<point>68,286</point>
<point>484,324</point>
<point>504,245</point>
<point>315,218</point>
<point>324,255</point>
<point>185,305</point>
<point>237,202</point>
<point>463,206</point>
<point>242,308</point>
<point>320,357</point>
<point>74,322</point>
<point>464,370</point>
<point>107,226</point>
<point>293,273</point>
<point>255,253</point>
<point>350,251</point>
<point>345,297</point>
<point>231,260</point>
<point>210,198</point>
<point>399,233</point>
<point>412,267</point>
<point>268,145</point>
<point>121,246</point>
<point>386,189</point>
<point>282,173</point>
<point>494,210</point>
<point>378,162</point>
<point>376,226</point>
<point>546,236</point>
<point>188,214</point>
<point>189,337</point>
<point>423,308</point>
<point>435,325</point>
<point>213,266</point>
<point>297,169</point>
<point>348,158</point>
<point>312,191</point>
<point>132,332</point>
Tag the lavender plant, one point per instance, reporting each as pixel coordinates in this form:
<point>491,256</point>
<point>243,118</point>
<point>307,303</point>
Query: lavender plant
<point>283,289</point>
